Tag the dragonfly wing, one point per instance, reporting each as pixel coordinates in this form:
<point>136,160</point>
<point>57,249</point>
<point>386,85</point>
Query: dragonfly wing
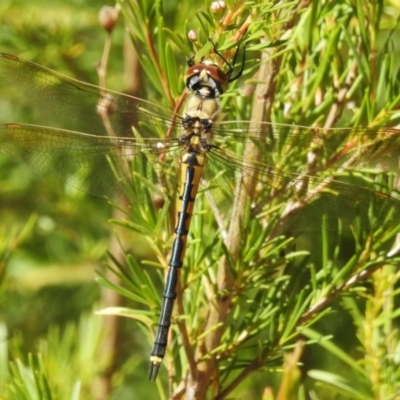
<point>293,145</point>
<point>75,105</point>
<point>312,176</point>
<point>100,165</point>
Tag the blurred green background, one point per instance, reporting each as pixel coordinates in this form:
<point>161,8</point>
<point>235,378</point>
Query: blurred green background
<point>54,237</point>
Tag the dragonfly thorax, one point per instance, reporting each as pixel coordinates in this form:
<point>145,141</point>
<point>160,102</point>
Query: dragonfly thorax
<point>195,142</point>
<point>197,122</point>
<point>201,108</point>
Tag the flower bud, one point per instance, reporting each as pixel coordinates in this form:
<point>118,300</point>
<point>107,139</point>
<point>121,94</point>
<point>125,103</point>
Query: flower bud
<point>217,6</point>
<point>192,35</point>
<point>108,17</point>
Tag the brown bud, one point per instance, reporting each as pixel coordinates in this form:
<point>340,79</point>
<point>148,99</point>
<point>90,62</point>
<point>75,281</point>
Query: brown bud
<point>108,17</point>
<point>106,106</point>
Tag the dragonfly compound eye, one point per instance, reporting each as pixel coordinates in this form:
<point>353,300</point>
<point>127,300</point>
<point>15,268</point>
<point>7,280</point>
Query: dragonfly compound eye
<point>207,81</point>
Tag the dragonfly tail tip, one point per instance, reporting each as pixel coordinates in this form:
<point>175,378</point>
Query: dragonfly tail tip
<point>155,363</point>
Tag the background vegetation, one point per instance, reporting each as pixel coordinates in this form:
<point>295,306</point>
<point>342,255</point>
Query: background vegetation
<point>326,300</point>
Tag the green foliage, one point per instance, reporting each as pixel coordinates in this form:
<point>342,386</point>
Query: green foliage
<point>64,367</point>
<point>253,282</point>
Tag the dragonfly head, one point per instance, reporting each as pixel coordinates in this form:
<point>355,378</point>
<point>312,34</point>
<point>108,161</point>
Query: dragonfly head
<point>206,80</point>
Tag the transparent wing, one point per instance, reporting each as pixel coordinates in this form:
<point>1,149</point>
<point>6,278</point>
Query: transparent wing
<point>74,104</point>
<point>100,165</point>
<point>365,146</point>
<point>330,174</point>
<point>99,161</point>
<point>289,166</point>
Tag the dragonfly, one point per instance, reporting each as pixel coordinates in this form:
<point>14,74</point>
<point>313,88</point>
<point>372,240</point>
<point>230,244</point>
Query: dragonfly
<point>126,134</point>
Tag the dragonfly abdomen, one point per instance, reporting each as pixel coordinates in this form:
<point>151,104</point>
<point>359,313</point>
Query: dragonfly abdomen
<point>192,169</point>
